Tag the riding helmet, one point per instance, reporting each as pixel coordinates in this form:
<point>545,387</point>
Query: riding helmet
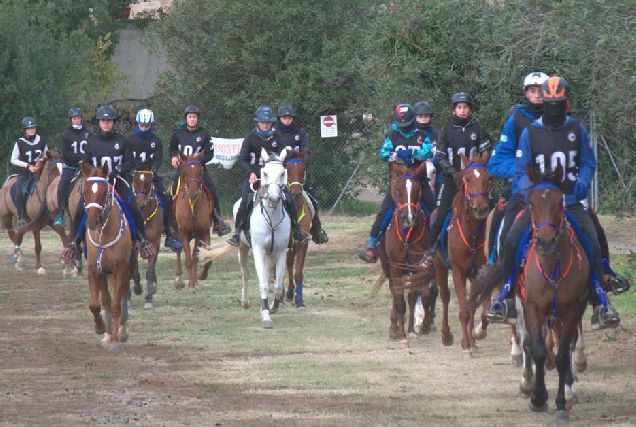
<point>264,114</point>
<point>28,122</point>
<point>74,112</point>
<point>145,116</point>
<point>555,89</point>
<point>462,97</point>
<point>423,107</point>
<point>535,78</point>
<point>106,112</point>
<point>191,109</point>
<point>403,115</point>
<point>286,110</point>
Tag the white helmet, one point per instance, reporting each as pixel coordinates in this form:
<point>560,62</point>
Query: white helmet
<point>534,79</point>
<point>145,117</point>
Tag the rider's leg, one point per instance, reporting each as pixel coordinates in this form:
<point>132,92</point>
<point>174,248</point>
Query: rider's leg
<point>246,195</point>
<point>69,252</point>
<point>370,253</point>
<point>22,178</point>
<point>318,235</point>
<point>504,307</point>
<point>291,210</point>
<point>146,248</point>
<point>602,316</point>
<point>172,241</point>
<point>427,197</point>
<point>219,226</point>
<point>62,195</point>
<point>497,217</point>
<point>444,204</point>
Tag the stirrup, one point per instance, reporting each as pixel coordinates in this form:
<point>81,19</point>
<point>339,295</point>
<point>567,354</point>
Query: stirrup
<point>69,252</point>
<point>300,238</point>
<point>602,319</point>
<point>59,221</point>
<point>370,254</point>
<point>617,284</point>
<point>428,260</point>
<point>173,243</point>
<point>234,240</point>
<point>319,236</point>
<point>502,312</point>
<point>221,229</point>
<point>147,250</point>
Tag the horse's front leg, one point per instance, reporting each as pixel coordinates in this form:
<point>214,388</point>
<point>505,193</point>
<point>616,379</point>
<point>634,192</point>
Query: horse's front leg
<point>151,282</point>
<point>262,270</point>
<point>206,266</point>
<point>291,255</point>
<point>38,252</point>
<point>441,277</point>
<point>279,272</point>
<point>189,261</point>
<point>299,277</point>
<point>93,305</point>
<point>243,253</point>
<point>178,280</point>
<point>534,320</point>
<point>459,280</point>
<point>410,333</point>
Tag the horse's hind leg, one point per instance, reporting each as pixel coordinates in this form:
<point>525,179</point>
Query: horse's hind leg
<point>178,281</point>
<point>291,255</point>
<point>136,277</point>
<point>441,276</point>
<point>245,274</point>
<point>206,267</point>
<point>151,283</point>
<point>580,359</point>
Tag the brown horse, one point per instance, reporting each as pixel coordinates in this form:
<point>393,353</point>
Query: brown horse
<point>35,209</point>
<point>405,241</point>
<point>109,259</point>
<point>295,165</point>
<point>153,220</point>
<point>192,210</point>
<point>466,236</point>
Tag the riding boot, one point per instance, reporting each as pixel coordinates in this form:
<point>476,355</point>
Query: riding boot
<point>291,211</point>
<point>19,205</point>
<point>172,241</point>
<point>235,239</point>
<point>428,259</point>
<point>370,253</point>
<point>220,227</point>
<point>69,252</point>
<point>602,317</point>
<point>319,236</point>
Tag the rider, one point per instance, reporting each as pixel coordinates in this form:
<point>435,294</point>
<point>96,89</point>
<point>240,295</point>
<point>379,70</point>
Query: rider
<point>423,116</point>
<point>461,135</point>
<point>110,147</point>
<point>145,145</point>
<point>554,136</point>
<point>502,161</point>
<point>262,136</point>
<point>291,135</point>
<point>405,139</point>
<point>27,150</point>
<point>190,140</point>
<point>73,144</point>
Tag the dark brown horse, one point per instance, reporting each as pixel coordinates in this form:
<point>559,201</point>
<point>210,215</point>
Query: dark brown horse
<point>110,263</point>
<point>36,209</point>
<point>192,210</point>
<point>295,165</point>
<point>466,237</point>
<point>405,242</point>
<point>153,220</point>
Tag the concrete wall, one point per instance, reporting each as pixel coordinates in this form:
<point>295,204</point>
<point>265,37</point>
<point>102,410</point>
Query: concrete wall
<point>134,60</point>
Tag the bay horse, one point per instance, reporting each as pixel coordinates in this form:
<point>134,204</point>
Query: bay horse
<point>466,238</point>
<point>51,168</point>
<point>295,165</point>
<point>405,242</point>
<point>152,214</point>
<point>110,259</point>
<point>192,207</point>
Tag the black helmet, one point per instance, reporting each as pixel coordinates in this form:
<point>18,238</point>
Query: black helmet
<point>423,107</point>
<point>264,114</point>
<point>462,97</point>
<point>74,112</point>
<point>106,112</point>
<point>28,122</point>
<point>191,109</point>
<point>403,115</point>
<point>555,89</point>
<point>286,110</point>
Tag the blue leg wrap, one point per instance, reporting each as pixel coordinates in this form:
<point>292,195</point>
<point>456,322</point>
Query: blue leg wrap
<point>599,290</point>
<point>299,291</point>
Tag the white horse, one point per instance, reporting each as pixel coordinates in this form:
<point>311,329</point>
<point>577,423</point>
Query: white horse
<point>270,229</point>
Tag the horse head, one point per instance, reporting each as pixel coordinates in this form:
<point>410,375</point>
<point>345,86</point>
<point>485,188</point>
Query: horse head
<point>143,185</point>
<point>295,165</point>
<point>51,166</point>
<point>406,191</point>
<point>191,172</point>
<point>474,182</point>
<point>273,177</point>
<point>97,194</point>
<point>546,208</point>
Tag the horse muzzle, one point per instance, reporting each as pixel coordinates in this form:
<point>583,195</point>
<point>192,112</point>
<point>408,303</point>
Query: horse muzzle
<point>547,246</point>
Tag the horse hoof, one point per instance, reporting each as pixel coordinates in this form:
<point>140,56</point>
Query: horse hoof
<point>41,270</point>
<point>178,283</point>
<point>474,351</point>
<point>148,305</point>
<point>534,408</point>
<point>525,388</point>
<point>192,290</point>
<point>393,335</point>
<point>289,296</point>
<point>403,344</point>
<point>301,309</point>
<point>17,267</point>
<point>113,349</point>
<point>561,416</point>
<point>433,326</point>
<point>268,324</point>
<point>479,333</point>
<point>123,333</point>
<point>100,331</point>
<point>447,340</point>
<point>411,337</point>
<point>137,289</point>
<point>106,341</point>
<point>575,400</point>
<point>467,354</point>
<point>580,366</point>
<point>245,304</point>
<point>517,360</point>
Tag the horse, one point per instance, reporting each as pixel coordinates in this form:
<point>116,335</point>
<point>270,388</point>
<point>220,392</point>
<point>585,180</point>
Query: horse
<point>269,237</point>
<point>51,167</point>
<point>295,165</point>
<point>152,214</point>
<point>400,251</point>
<point>192,207</point>
<point>110,259</point>
<point>466,237</point>
<point>552,295</point>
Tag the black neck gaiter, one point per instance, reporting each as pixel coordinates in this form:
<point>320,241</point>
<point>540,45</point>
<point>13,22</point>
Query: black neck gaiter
<point>535,109</point>
<point>423,126</point>
<point>554,114</point>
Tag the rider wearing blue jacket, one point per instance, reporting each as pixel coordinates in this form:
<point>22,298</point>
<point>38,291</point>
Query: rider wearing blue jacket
<point>552,139</point>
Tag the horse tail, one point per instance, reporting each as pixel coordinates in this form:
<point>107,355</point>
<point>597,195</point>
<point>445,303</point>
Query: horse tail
<point>489,277</point>
<point>37,223</point>
<point>377,285</point>
<point>211,254</point>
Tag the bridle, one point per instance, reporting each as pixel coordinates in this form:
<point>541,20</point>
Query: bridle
<point>150,194</point>
<point>186,185</point>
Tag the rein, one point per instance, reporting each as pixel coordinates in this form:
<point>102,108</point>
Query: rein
<point>406,231</point>
<point>186,186</point>
<point>151,196</point>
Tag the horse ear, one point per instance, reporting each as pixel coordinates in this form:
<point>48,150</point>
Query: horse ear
<point>283,154</point>
<point>485,156</point>
<point>558,173</point>
<point>465,160</point>
<point>105,170</point>
<point>459,177</point>
<point>84,168</point>
<point>48,155</point>
<point>531,175</point>
<point>182,158</point>
<point>303,154</point>
<point>420,169</point>
<point>199,156</point>
<point>264,155</point>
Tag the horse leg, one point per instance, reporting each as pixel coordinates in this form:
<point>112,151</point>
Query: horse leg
<point>299,277</point>
<point>192,280</point>
<point>535,320</point>
<point>151,283</point>
<point>516,353</point>
<point>393,327</point>
<point>412,298</point>
<point>441,277</point>
<point>137,280</point>
<point>459,280</point>
<point>38,252</point>
<point>550,362</point>
<point>580,359</point>
<point>279,291</point>
<point>115,309</point>
<point>480,330</point>
<point>93,305</point>
<point>206,266</point>
<point>291,255</point>
<point>245,273</point>
<point>178,281</point>
<point>563,363</point>
<point>107,305</point>
<point>262,270</point>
